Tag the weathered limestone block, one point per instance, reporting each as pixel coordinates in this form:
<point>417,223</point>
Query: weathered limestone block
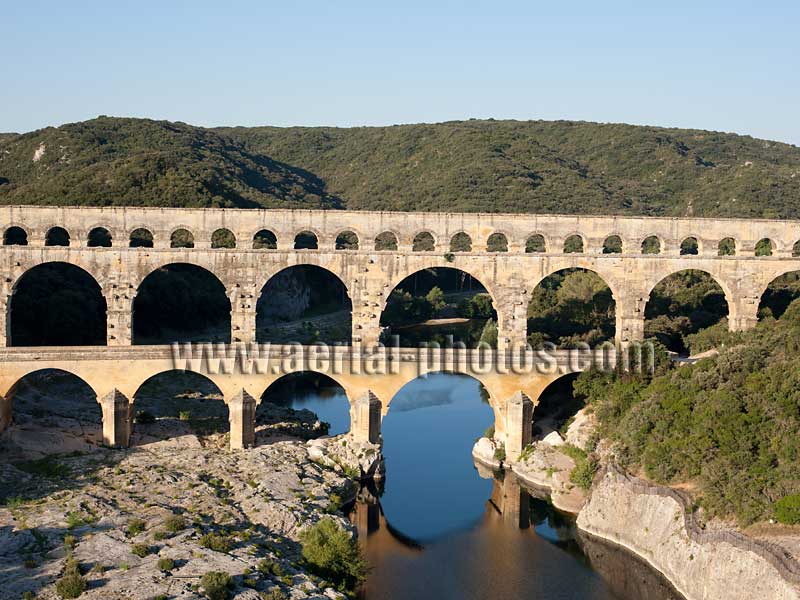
<point>366,425</point>
<point>519,417</point>
<point>242,418</point>
<point>117,418</point>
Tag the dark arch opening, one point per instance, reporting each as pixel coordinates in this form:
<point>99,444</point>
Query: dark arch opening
<point>651,245</point>
<point>223,238</point>
<point>765,247</point>
<point>573,243</point>
<point>557,406</point>
<point>15,236</point>
<point>173,404</point>
<point>386,241</point>
<point>569,307</point>
<point>265,240</point>
<point>535,243</point>
<point>612,245</point>
<point>305,304</point>
<point>461,242</point>
<point>796,248</point>
<point>682,308</point>
<point>57,304</point>
<point>726,247</point>
<point>347,240</point>
<point>780,293</point>
<point>423,242</point>
<point>141,238</point>
<point>55,410</point>
<point>689,246</point>
<point>303,404</point>
<point>306,240</point>
<point>497,242</point>
<point>442,305</point>
<point>56,236</point>
<point>181,238</point>
<point>181,303</point>
<point>99,237</point>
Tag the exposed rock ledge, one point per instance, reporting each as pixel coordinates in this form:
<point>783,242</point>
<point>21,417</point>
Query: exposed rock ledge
<point>655,523</point>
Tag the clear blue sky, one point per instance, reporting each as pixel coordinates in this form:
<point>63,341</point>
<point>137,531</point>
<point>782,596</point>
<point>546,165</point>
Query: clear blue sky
<point>730,66</point>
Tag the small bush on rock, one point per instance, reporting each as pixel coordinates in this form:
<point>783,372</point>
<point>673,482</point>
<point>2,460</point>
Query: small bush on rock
<point>332,553</point>
<point>166,564</point>
<point>72,584</point>
<point>215,542</point>
<point>787,509</point>
<point>216,585</point>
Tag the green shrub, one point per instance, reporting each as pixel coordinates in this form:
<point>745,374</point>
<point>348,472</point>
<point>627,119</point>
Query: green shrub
<point>333,554</point>
<point>72,584</point>
<point>134,527</point>
<point>787,509</point>
<point>140,550</point>
<point>216,542</point>
<point>185,415</point>
<point>174,523</point>
<point>489,433</point>
<point>216,585</point>
<point>166,564</point>
<point>500,453</point>
<point>269,567</point>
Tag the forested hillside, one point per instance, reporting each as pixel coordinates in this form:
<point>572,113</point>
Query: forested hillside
<point>491,166</point>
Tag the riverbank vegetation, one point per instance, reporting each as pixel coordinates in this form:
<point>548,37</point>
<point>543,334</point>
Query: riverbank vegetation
<point>727,427</point>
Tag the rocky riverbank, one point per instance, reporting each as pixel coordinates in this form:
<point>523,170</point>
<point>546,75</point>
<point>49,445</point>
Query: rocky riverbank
<point>657,524</point>
<point>150,521</point>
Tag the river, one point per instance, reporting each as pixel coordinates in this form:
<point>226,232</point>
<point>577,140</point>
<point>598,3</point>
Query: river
<point>441,527</point>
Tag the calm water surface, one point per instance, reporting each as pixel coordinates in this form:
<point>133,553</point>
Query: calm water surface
<point>441,529</point>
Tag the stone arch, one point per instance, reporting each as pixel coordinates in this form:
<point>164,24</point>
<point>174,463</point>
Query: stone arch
<point>313,390</point>
<point>140,237</point>
<point>306,240</point>
<point>347,240</point>
<point>386,240</point>
<point>179,302</point>
<point>555,404</point>
<point>181,237</point>
<point>690,246</point>
<point>424,241</point>
<point>536,243</point>
<point>57,236</point>
<point>99,237</point>
<point>574,243</point>
<point>410,300</point>
<point>765,247</point>
<point>461,242</point>
<point>288,295</point>
<point>796,248</point>
<point>652,245</point>
<point>65,307</point>
<point>670,320</point>
<point>223,238</point>
<point>775,296</point>
<point>265,239</point>
<point>35,383</point>
<point>14,235</point>
<point>555,303</point>
<point>612,244</point>
<point>184,402</point>
<point>497,242</point>
<point>726,247</point>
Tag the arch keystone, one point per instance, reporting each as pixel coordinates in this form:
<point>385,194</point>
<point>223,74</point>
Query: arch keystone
<point>519,417</point>
<point>117,413</point>
<point>242,418</point>
<point>366,421</point>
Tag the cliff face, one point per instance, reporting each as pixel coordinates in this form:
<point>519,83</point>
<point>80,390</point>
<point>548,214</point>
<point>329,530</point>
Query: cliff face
<point>653,522</point>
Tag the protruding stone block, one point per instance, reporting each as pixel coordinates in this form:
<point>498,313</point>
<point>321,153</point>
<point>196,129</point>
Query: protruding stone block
<point>366,426</point>
<point>519,418</point>
<point>242,418</point>
<point>116,419</point>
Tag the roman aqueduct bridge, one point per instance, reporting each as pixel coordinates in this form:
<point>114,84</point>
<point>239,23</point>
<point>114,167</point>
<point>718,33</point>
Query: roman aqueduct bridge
<point>508,254</point>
